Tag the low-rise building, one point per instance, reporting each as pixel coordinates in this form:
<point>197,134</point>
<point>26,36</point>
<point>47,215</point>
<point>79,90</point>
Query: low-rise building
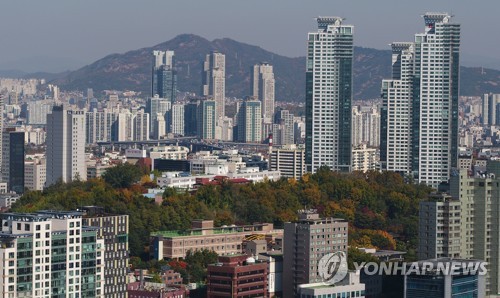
<point>237,276</point>
<point>350,286</point>
<point>225,240</point>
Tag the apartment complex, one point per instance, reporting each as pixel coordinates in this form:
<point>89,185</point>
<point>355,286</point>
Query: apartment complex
<point>419,116</point>
<point>329,95</point>
<point>306,242</point>
<point>114,230</point>
<point>467,224</point>
<point>49,254</point>
<point>225,240</point>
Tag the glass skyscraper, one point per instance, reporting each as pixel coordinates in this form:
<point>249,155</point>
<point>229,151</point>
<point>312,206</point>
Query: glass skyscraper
<point>164,81</point>
<point>329,95</point>
<point>419,117</point>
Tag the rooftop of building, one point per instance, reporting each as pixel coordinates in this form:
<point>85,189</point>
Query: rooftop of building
<point>215,231</point>
<point>42,215</point>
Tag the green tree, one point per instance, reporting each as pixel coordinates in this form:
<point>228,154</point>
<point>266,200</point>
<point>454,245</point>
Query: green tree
<point>122,175</point>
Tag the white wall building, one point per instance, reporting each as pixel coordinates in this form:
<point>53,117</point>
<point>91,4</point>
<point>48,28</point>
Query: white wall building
<point>329,95</point>
<point>263,89</point>
<point>65,145</point>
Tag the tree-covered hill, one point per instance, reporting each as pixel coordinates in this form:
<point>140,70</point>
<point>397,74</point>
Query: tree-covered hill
<point>381,208</point>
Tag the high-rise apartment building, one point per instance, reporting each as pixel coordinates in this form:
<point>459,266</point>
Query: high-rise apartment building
<point>101,126</point>
<point>489,109</point>
<point>214,81</point>
<point>250,122</point>
<point>439,228</point>
<point>466,225</point>
<point>164,80</point>
<point>329,95</point>
<point>37,111</point>
<point>306,242</point>
<point>13,160</point>
<point>191,122</point>
<point>284,129</point>
<point>125,126</point>
<point>177,126</point>
<point>1,129</point>
<point>158,107</point>
<point>65,145</point>
<point>141,126</point>
<point>263,89</point>
<point>419,116</point>
<point>207,119</point>
<point>49,254</point>
<point>114,230</point>
<point>365,126</point>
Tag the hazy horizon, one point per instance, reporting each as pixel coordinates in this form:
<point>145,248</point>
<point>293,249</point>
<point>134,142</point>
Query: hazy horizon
<point>56,35</point>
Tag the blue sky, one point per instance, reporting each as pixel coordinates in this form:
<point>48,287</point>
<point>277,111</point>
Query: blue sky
<point>53,35</point>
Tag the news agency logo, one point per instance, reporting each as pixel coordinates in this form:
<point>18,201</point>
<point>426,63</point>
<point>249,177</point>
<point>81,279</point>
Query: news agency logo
<point>332,267</point>
<point>423,268</point>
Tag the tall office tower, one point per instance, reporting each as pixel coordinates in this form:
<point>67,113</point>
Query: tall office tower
<point>164,81</point>
<point>101,126</point>
<point>284,132</point>
<point>49,254</point>
<point>13,159</point>
<point>306,242</point>
<point>250,122</point>
<point>191,120</point>
<point>419,117</point>
<point>158,106</point>
<point>114,229</point>
<point>177,126</point>
<point>489,108</point>
<point>37,111</point>
<point>329,95</point>
<point>141,126</point>
<point>65,145</point>
<point>125,126</point>
<point>263,89</point>
<point>214,81</point>
<point>289,160</point>
<point>207,119</point>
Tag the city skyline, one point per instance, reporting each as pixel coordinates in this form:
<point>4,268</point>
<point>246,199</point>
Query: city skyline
<point>232,22</point>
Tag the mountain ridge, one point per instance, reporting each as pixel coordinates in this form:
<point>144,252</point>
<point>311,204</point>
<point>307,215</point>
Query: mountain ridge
<point>132,70</point>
